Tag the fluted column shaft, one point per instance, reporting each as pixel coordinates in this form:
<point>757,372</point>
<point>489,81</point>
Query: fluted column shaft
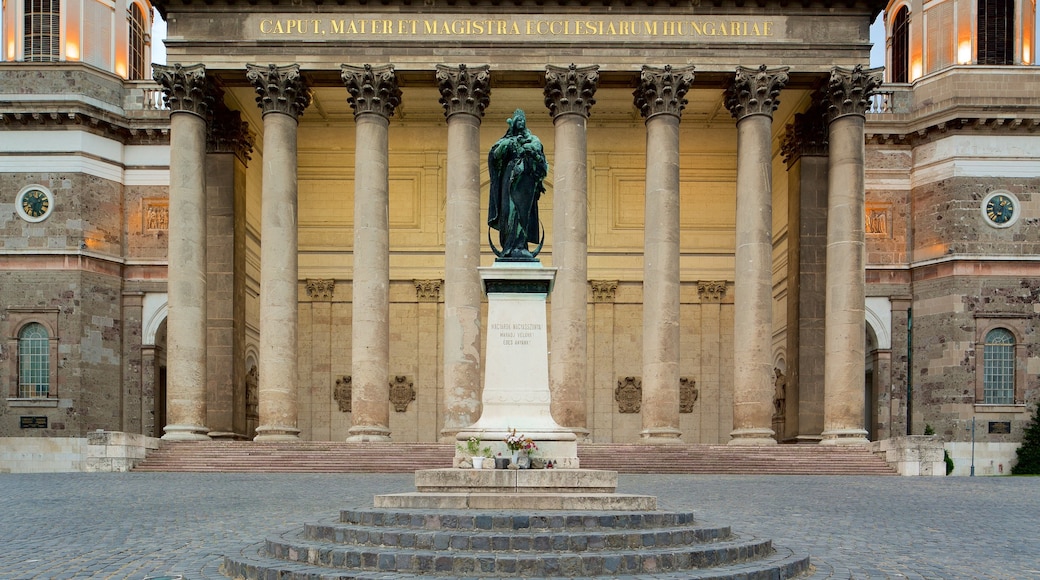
<point>660,99</point>
<point>848,94</point>
<point>465,94</point>
<point>373,95</point>
<point>569,96</point>
<point>751,99</point>
<point>186,91</point>
<point>282,96</point>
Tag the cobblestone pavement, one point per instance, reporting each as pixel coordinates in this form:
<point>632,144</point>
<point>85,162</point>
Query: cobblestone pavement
<point>134,525</point>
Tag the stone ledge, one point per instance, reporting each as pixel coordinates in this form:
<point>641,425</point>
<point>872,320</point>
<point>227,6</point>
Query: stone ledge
<point>516,480</point>
<point>527,501</point>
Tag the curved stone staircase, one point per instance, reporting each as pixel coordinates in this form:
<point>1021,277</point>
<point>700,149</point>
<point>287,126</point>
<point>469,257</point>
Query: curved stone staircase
<point>381,544</point>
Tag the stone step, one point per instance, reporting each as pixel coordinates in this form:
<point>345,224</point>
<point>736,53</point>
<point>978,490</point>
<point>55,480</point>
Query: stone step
<point>516,522</point>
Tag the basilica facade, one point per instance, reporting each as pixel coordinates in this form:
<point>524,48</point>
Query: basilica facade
<point>757,238</point>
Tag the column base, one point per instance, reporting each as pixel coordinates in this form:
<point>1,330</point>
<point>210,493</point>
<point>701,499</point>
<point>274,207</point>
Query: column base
<point>752,437</point>
<point>808,438</point>
<point>582,434</point>
<point>367,433</point>
<point>277,433</point>
<point>185,433</point>
<point>845,437</point>
<point>660,436</point>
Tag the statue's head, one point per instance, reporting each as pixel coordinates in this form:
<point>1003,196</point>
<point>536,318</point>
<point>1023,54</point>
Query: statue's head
<point>519,121</point>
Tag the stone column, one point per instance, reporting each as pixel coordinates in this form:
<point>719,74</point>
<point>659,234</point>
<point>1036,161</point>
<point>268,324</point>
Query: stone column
<point>569,95</point>
<point>227,144</point>
<point>660,99</point>
<point>282,95</point>
<point>188,94</point>
<point>805,150</point>
<point>374,95</point>
<point>752,98</point>
<point>847,98</point>
<point>465,93</point>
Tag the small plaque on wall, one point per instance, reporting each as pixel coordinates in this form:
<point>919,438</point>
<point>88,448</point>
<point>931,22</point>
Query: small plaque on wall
<point>33,422</point>
<point>1000,427</point>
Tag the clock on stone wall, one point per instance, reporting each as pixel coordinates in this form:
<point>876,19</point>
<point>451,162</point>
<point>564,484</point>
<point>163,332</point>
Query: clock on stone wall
<point>1000,208</point>
<point>34,203</point>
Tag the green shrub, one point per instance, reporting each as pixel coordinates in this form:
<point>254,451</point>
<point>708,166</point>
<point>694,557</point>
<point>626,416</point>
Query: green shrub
<point>949,462</point>
<point>928,430</point>
<point>1029,453</point>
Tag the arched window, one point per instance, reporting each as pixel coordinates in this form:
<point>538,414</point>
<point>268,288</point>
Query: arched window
<point>996,31</point>
<point>42,30</point>
<point>901,46</point>
<point>135,18</point>
<point>34,361</point>
<point>998,382</point>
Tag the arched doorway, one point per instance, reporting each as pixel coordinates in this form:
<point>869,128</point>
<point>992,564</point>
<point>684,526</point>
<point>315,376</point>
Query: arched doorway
<point>870,385</point>
<point>159,390</point>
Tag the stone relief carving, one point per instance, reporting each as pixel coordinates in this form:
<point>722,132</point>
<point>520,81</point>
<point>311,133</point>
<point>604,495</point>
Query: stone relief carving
<point>629,395</point>
<point>343,392</point>
<point>402,392</point>
<point>156,215</point>
<point>711,291</point>
<point>252,393</point>
<point>428,290</point>
<point>603,290</point>
<point>876,221</point>
<point>779,393</point>
<point>321,289</point>
<point>688,394</point>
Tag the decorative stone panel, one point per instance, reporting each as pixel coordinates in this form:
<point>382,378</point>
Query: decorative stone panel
<point>603,290</point>
<point>321,290</point>
<point>343,392</point>
<point>711,291</point>
<point>878,220</point>
<point>402,392</point>
<point>629,394</point>
<point>156,215</point>
<point>428,290</point>
<point>688,394</point>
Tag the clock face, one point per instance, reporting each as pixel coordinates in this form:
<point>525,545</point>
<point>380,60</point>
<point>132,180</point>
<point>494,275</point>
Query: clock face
<point>999,209</point>
<point>34,204</point>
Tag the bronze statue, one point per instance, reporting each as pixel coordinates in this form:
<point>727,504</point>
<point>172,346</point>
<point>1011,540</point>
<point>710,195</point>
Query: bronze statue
<point>517,166</point>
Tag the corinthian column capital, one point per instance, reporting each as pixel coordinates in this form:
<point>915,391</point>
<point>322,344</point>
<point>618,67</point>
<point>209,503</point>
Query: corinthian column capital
<point>755,91</point>
<point>279,89</point>
<point>228,133</point>
<point>807,136</point>
<point>372,89</point>
<point>570,89</point>
<point>848,91</point>
<point>186,89</point>
<point>464,89</point>
<point>662,91</point>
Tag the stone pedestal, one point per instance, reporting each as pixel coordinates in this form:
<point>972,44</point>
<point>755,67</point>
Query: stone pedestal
<point>516,377</point>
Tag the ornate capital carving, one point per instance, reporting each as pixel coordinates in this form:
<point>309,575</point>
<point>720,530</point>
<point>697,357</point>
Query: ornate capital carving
<point>848,91</point>
<point>629,394</point>
<point>186,89</point>
<point>687,394</point>
<point>570,89</point>
<point>228,133</point>
<point>755,91</point>
<point>321,290</point>
<point>428,290</point>
<point>343,392</point>
<point>807,136</point>
<point>372,89</point>
<point>402,392</point>
<point>603,290</point>
<point>662,91</point>
<point>279,89</point>
<point>711,291</point>
<point>464,89</point>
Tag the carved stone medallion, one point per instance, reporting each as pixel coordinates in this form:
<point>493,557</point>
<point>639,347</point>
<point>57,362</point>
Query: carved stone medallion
<point>402,392</point>
<point>687,394</point>
<point>629,394</point>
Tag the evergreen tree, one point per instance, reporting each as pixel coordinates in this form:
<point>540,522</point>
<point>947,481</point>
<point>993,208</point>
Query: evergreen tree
<point>1029,453</point>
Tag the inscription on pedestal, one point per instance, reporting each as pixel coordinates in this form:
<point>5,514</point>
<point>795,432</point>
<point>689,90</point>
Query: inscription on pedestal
<point>516,333</point>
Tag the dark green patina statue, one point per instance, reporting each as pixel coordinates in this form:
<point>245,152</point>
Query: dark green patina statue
<point>517,166</point>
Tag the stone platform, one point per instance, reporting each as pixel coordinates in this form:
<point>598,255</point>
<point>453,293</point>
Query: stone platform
<point>519,489</point>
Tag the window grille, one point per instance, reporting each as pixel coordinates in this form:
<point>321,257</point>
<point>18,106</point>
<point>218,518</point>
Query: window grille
<point>901,46</point>
<point>998,385</point>
<point>136,19</point>
<point>996,33</point>
<point>42,30</point>
<point>34,368</point>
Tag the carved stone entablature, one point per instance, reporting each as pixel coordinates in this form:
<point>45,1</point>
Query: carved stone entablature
<point>603,290</point>
<point>321,290</point>
<point>402,392</point>
<point>570,89</point>
<point>711,291</point>
<point>279,89</point>
<point>186,89</point>
<point>687,394</point>
<point>662,91</point>
<point>228,133</point>
<point>428,290</point>
<point>807,136</point>
<point>755,91</point>
<point>629,394</point>
<point>343,392</point>
<point>848,91</point>
<point>464,89</point>
<point>373,89</point>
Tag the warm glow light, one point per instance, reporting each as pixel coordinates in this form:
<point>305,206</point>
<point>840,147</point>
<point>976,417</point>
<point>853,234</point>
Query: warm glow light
<point>121,69</point>
<point>71,51</point>
<point>1026,54</point>
<point>10,49</point>
<point>915,70</point>
<point>964,52</point>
